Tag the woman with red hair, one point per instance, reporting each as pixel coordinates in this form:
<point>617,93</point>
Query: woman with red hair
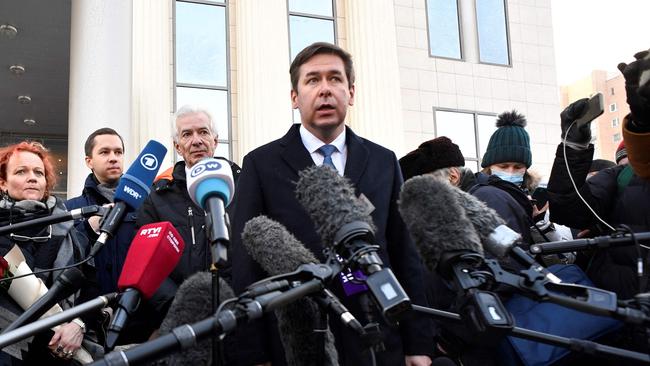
<point>26,181</point>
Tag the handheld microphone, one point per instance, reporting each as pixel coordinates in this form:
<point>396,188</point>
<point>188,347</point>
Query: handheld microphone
<point>344,223</point>
<point>192,303</point>
<point>65,285</point>
<point>211,186</point>
<point>53,219</point>
<point>152,256</point>
<point>277,251</point>
<point>131,191</point>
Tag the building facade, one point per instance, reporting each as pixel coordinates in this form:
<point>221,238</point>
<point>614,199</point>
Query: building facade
<point>606,129</point>
<point>425,68</point>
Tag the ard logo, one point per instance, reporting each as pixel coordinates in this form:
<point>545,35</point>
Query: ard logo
<point>149,161</point>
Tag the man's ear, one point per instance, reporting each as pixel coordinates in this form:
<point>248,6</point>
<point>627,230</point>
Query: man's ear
<point>454,175</point>
<point>351,101</point>
<point>294,99</point>
<point>89,162</point>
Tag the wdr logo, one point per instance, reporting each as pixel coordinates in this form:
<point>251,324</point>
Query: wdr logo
<point>149,161</point>
<point>210,165</point>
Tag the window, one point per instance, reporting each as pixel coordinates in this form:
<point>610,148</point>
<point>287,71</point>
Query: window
<point>492,32</point>
<point>611,91</point>
<point>617,137</point>
<point>615,122</point>
<point>202,63</point>
<point>612,107</point>
<point>443,23</point>
<point>310,21</point>
<point>471,131</point>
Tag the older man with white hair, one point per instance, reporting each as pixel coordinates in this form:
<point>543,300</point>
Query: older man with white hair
<point>195,138</point>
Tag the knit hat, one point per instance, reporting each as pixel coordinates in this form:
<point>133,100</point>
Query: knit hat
<point>621,152</point>
<point>430,156</point>
<point>510,142</point>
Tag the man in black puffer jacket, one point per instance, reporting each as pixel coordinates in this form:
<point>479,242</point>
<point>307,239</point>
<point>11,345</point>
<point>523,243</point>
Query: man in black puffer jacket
<point>619,195</point>
<point>195,138</point>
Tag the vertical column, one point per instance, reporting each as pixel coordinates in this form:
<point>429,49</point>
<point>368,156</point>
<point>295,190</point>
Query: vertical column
<point>263,86</point>
<point>100,78</point>
<point>153,72</point>
<point>377,113</point>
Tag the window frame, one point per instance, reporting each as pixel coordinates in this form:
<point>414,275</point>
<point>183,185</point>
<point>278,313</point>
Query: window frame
<point>478,39</point>
<point>461,44</point>
<point>477,144</point>
<point>613,107</point>
<point>227,88</point>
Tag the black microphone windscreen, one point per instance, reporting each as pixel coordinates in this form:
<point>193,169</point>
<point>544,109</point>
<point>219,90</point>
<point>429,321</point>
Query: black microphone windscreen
<point>193,303</point>
<point>435,219</point>
<point>330,201</point>
<point>271,245</point>
<point>277,251</point>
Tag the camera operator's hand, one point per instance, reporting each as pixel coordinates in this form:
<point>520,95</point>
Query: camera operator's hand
<point>577,138</point>
<point>637,88</point>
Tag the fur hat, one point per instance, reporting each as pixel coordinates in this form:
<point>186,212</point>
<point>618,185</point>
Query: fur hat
<point>430,156</point>
<point>510,142</point>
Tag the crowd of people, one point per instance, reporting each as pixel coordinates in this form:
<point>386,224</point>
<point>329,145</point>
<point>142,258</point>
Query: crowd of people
<point>583,198</point>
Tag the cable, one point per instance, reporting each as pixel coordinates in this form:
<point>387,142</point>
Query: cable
<point>47,270</point>
<point>566,162</point>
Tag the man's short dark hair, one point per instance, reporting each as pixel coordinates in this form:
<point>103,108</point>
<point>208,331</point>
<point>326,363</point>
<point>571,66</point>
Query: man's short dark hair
<point>320,48</point>
<point>90,141</point>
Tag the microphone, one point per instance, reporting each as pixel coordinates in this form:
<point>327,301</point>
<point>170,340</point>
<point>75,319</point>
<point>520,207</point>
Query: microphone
<point>211,186</point>
<point>499,240</point>
<point>605,241</point>
<point>450,246</point>
<point>438,224</point>
<point>277,251</point>
<point>152,256</point>
<point>65,285</point>
<point>193,302</point>
<point>53,219</point>
<point>344,223</point>
<point>131,191</point>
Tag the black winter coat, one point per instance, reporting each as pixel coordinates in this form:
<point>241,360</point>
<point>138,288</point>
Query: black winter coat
<point>613,269</point>
<point>110,259</point>
<point>508,200</point>
<point>169,201</point>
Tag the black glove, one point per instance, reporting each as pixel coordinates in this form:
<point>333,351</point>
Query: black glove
<point>637,88</point>
<point>577,136</point>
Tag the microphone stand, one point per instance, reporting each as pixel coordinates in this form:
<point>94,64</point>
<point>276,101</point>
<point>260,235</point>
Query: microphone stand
<point>52,219</point>
<point>574,344</point>
<point>219,242</point>
<point>246,309</point>
<point>56,319</point>
<point>606,241</point>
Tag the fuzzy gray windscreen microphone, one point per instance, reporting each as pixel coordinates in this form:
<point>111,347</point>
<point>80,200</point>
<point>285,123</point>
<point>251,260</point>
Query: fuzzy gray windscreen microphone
<point>277,251</point>
<point>436,221</point>
<point>330,201</point>
<point>193,303</point>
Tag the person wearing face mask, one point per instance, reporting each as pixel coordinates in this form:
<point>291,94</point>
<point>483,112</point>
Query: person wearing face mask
<point>501,184</point>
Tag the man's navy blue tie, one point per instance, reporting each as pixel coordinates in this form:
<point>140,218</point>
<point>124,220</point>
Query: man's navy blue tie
<point>326,151</point>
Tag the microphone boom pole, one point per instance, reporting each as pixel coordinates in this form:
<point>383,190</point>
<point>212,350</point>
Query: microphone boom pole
<point>54,320</point>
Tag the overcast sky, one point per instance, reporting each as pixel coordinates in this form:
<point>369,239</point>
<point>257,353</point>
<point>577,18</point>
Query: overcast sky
<point>597,34</point>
